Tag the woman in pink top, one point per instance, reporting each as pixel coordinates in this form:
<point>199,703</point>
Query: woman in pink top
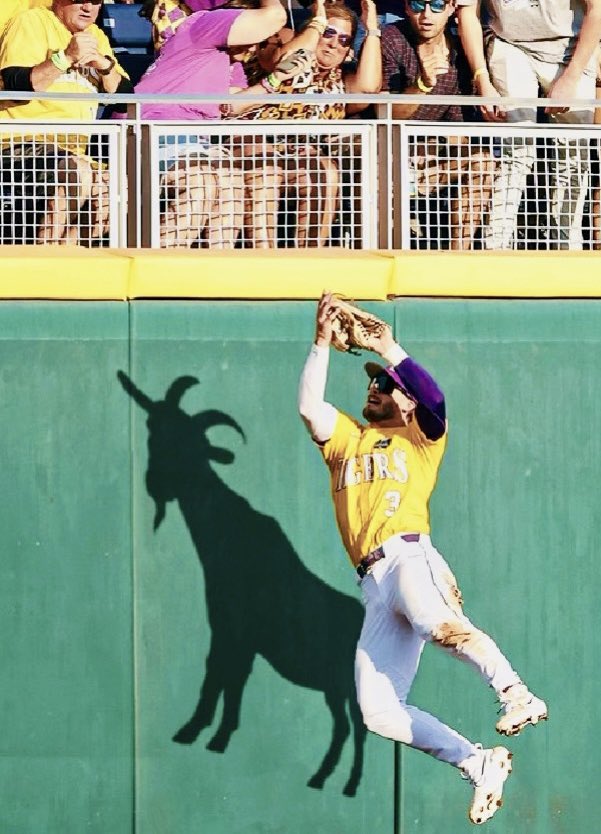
<point>203,192</point>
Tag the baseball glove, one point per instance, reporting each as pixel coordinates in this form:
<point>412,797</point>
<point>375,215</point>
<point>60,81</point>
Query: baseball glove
<point>354,328</point>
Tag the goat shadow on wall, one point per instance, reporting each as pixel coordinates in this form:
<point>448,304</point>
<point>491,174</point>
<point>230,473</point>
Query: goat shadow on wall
<point>260,597</point>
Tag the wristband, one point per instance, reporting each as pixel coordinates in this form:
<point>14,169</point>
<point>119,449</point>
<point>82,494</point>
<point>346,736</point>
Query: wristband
<point>110,67</point>
<point>319,18</point>
<point>422,86</point>
<point>271,83</point>
<point>480,71</point>
<point>60,60</point>
<point>374,32</point>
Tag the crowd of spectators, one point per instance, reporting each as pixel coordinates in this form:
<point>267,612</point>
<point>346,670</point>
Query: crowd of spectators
<point>225,193</point>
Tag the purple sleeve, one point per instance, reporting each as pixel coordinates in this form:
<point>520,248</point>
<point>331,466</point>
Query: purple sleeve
<point>210,30</point>
<point>430,411</point>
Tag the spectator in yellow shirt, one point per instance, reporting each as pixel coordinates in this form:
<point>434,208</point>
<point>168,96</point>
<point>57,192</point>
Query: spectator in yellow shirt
<point>58,49</point>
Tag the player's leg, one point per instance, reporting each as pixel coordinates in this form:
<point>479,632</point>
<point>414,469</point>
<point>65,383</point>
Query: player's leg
<point>427,594</point>
<point>388,655</point>
<point>387,658</point>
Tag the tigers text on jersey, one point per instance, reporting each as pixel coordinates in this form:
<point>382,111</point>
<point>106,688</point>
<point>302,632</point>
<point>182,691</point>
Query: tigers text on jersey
<point>381,481</point>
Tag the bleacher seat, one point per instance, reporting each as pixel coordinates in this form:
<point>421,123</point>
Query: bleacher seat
<point>130,37</point>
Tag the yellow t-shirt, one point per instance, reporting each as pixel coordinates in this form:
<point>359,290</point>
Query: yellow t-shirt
<point>11,8</point>
<point>29,40</point>
<point>381,481</point>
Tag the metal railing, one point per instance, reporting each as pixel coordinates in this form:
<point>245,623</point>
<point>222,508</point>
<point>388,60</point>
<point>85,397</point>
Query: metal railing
<point>357,183</point>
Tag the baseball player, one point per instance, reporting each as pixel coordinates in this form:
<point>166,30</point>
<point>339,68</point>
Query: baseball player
<point>382,475</point>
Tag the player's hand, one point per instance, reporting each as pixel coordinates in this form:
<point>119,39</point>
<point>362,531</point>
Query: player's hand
<point>434,61</point>
<point>563,87</point>
<point>326,312</point>
<point>81,46</point>
<point>485,88</point>
<point>381,344</point>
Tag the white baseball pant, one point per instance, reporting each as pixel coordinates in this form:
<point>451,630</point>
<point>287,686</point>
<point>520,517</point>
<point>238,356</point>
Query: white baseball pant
<point>411,597</point>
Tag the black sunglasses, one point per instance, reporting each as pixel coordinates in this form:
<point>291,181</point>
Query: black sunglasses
<point>436,6</point>
<point>343,39</point>
<point>83,2</point>
<point>383,382</point>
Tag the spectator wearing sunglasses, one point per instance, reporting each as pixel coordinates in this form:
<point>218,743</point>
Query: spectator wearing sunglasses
<point>420,55</point>
<point>306,170</point>
<point>548,45</point>
<point>59,49</point>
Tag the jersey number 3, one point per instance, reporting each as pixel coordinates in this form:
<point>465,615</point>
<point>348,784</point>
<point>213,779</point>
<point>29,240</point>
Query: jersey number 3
<point>394,501</point>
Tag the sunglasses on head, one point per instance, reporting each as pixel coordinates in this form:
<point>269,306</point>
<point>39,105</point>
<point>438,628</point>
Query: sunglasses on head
<point>383,382</point>
<point>436,6</point>
<point>343,39</point>
<point>83,2</point>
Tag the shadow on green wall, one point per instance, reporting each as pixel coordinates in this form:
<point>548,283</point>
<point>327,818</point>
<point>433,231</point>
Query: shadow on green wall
<point>261,599</point>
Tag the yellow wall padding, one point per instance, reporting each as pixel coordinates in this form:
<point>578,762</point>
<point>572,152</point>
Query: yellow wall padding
<point>274,273</point>
<point>497,274</point>
<point>77,273</point>
<point>63,272</point>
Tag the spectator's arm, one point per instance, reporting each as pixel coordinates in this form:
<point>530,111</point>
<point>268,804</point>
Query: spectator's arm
<point>472,40</point>
<point>307,38</point>
<point>43,75</point>
<point>368,77</point>
<point>405,111</point>
<point>566,85</point>
<point>256,25</point>
<point>298,63</point>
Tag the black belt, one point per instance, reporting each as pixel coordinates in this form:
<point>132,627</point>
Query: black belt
<point>377,554</point>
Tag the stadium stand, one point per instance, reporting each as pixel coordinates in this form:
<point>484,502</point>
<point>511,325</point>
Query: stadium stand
<point>130,37</point>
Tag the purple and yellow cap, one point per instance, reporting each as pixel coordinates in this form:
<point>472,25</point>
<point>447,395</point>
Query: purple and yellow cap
<point>410,378</point>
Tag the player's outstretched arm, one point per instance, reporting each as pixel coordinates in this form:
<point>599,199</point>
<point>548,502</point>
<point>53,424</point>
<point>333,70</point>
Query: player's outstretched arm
<point>318,415</point>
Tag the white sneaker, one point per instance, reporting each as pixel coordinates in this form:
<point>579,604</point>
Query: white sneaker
<point>488,788</point>
<point>520,707</point>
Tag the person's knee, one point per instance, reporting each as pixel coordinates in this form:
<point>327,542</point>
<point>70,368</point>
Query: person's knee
<point>453,634</point>
<point>390,723</point>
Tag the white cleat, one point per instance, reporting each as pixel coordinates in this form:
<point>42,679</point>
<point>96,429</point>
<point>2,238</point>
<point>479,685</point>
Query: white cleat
<point>488,789</point>
<point>520,708</point>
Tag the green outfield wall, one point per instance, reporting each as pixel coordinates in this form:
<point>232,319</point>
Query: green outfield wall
<point>167,531</point>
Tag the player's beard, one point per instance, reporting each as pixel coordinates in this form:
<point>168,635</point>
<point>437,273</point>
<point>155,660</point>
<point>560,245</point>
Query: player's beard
<point>376,413</point>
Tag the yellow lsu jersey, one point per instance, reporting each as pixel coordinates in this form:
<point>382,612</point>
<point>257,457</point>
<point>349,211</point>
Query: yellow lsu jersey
<point>381,481</point>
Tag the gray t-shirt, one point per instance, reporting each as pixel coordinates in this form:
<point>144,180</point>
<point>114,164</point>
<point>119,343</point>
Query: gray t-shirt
<point>547,29</point>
